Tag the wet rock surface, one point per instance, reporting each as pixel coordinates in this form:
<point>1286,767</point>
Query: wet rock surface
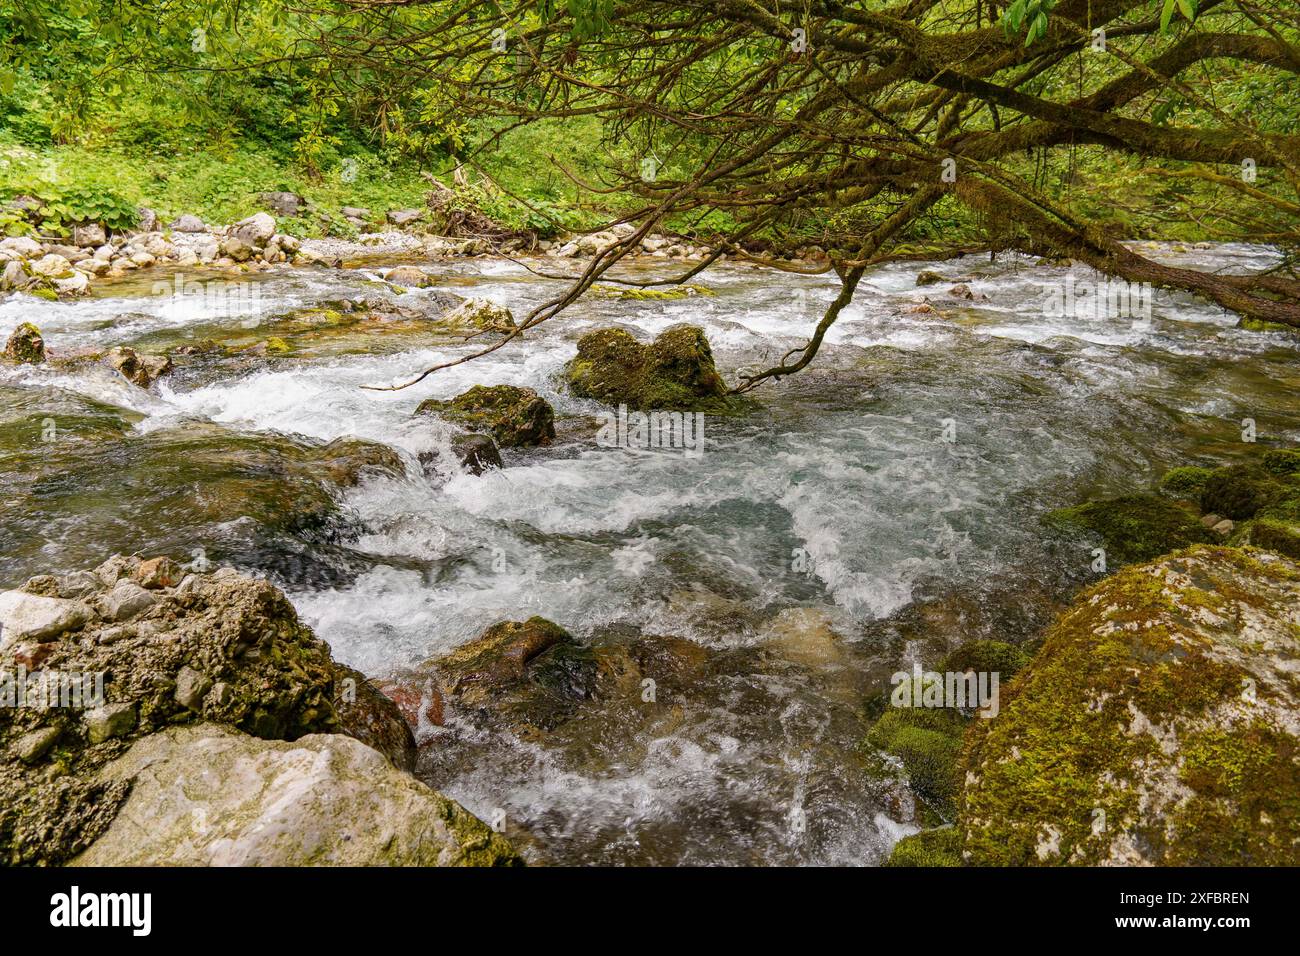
<point>675,371</point>
<point>131,665</point>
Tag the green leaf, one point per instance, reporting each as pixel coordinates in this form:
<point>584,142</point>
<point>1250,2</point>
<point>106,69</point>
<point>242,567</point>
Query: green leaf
<point>1166,15</point>
<point>1189,9</point>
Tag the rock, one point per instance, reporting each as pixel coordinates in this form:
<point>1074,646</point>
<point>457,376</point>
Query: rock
<point>142,259</point>
<point>929,278</point>
<point>191,688</point>
<point>255,231</point>
<point>478,315</point>
<point>125,601</point>
<point>73,284</point>
<point>355,212</point>
<point>26,345</point>
<point>371,717</point>
<point>204,796</point>
<point>236,249</point>
<point>530,675</point>
<point>938,847</point>
<point>285,203</point>
<point>32,747</point>
<point>1210,520</point>
<point>1166,699</point>
<point>1223,527</point>
<point>31,617</point>
<point>1184,484</point>
<point>476,452</point>
<point>141,370</point>
<point>158,573</point>
<point>404,217</point>
<point>147,219</point>
<point>1240,491</point>
<point>676,371</point>
<point>1133,528</point>
<point>408,277</point>
<point>52,266</point>
<point>89,234</point>
<point>14,276</point>
<point>515,416</point>
<point>116,568</point>
<point>109,721</point>
<point>25,246</point>
<point>185,223</point>
<point>963,291</point>
<point>270,677</point>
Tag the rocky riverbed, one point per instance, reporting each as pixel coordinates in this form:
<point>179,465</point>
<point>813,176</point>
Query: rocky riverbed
<point>611,649</point>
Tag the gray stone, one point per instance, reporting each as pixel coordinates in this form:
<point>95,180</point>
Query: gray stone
<point>89,234</point>
<point>191,688</point>
<point>205,796</point>
<point>188,223</point>
<point>31,617</point>
<point>109,721</point>
<point>32,747</point>
<point>255,230</point>
<point>405,217</point>
<point>126,600</point>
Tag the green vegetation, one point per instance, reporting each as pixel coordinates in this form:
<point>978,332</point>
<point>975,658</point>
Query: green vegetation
<point>1134,528</point>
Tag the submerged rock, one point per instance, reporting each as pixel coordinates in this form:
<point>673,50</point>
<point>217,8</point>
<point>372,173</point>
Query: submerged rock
<point>515,416</point>
<point>141,370</point>
<point>26,345</point>
<point>1156,726</point>
<point>530,675</point>
<point>675,371</point>
<point>206,796</point>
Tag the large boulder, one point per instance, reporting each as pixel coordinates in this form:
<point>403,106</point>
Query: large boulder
<point>205,796</point>
<point>675,371</point>
<point>216,647</point>
<point>1157,725</point>
<point>184,223</point>
<point>26,345</point>
<point>514,415</point>
<point>285,203</point>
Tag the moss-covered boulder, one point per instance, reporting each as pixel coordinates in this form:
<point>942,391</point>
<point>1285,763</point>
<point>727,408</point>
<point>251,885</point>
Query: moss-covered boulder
<point>1134,528</point>
<point>928,742</point>
<point>515,416</point>
<point>477,315</point>
<point>674,372</point>
<point>1186,483</point>
<point>25,345</point>
<point>1156,725</point>
<point>1239,491</point>
<point>529,676</point>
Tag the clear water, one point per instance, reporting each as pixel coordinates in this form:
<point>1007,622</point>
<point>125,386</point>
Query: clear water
<point>754,755</point>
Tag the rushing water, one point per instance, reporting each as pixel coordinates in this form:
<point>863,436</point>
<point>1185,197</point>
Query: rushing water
<point>876,509</point>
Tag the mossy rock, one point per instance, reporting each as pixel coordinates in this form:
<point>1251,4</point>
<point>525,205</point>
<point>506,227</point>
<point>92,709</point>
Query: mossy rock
<point>1239,491</point>
<point>674,372</point>
<point>1156,726</point>
<point>1282,462</point>
<point>529,676</point>
<point>992,657</point>
<point>1280,536</point>
<point>649,295</point>
<point>1185,484</point>
<point>25,345</point>
<point>515,416</point>
<point>928,742</point>
<point>1263,325</point>
<point>938,847</point>
<point>1134,528</point>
